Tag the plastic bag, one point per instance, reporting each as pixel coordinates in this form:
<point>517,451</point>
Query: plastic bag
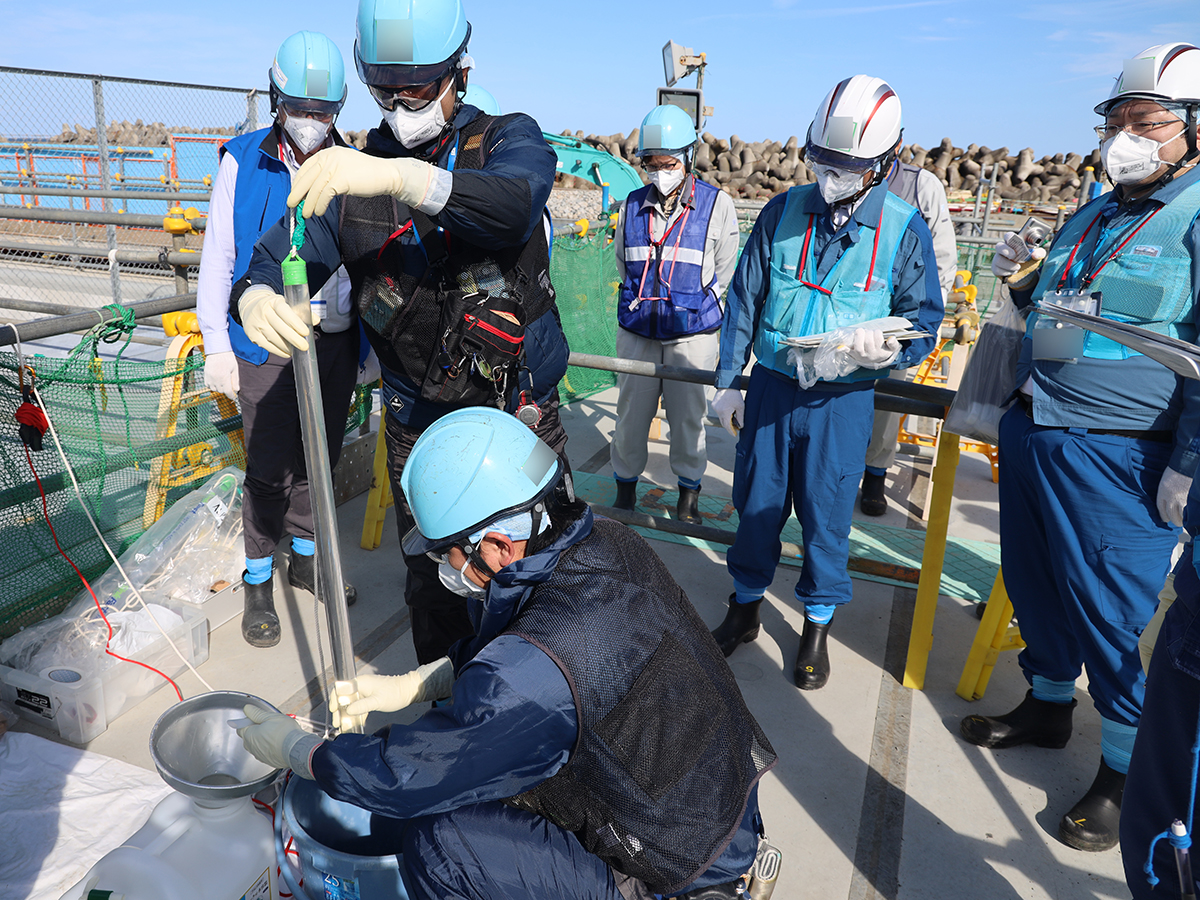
<point>829,359</point>
<point>987,385</point>
<point>196,543</point>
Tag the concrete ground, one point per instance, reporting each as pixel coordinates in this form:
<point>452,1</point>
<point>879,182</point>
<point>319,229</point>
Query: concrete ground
<point>874,795</point>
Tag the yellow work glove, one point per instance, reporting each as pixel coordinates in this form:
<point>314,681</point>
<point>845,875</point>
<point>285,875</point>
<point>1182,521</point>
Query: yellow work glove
<point>271,323</point>
<point>1150,634</point>
<point>340,170</point>
<point>390,693</point>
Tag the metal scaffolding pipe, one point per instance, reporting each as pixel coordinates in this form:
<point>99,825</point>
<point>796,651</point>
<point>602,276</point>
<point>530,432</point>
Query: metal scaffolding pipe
<point>81,321</point>
<point>163,257</point>
<point>97,193</point>
<point>85,217</point>
<point>564,229</point>
<point>918,399</point>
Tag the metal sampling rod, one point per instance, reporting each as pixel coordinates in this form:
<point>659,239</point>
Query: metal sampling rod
<point>329,583</point>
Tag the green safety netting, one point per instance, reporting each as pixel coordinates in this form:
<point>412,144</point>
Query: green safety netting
<point>584,272</point>
<point>138,434</point>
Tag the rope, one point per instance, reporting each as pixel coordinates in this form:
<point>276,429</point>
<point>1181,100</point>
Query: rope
<point>1178,841</point>
<point>297,228</point>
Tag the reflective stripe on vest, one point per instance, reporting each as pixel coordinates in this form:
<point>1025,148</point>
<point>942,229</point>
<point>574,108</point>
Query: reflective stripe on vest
<point>664,295</point>
<point>1148,284</point>
<point>794,309</point>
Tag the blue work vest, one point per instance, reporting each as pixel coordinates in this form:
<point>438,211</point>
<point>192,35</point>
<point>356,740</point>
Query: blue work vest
<point>259,201</point>
<point>794,308</point>
<point>1148,283</point>
<point>664,295</point>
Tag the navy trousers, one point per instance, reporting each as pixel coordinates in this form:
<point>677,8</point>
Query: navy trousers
<point>803,449</point>
<point>494,852</point>
<point>1162,773</point>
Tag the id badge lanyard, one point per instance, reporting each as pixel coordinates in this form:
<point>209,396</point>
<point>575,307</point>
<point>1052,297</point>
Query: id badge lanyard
<point>656,247</point>
<point>1055,340</point>
<point>800,271</point>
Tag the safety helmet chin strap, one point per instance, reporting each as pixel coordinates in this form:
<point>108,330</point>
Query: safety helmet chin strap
<point>536,512</point>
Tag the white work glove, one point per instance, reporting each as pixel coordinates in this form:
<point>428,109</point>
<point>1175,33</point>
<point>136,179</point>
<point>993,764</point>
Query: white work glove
<point>1005,263</point>
<point>271,738</point>
<point>368,372</point>
<point>1150,635</point>
<point>1172,496</point>
<point>869,349</point>
<point>221,373</point>
<point>390,693</point>
<point>727,403</point>
<point>271,323</point>
<point>341,170</point>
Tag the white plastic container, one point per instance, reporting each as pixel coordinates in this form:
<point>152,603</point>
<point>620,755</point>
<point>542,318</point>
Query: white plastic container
<point>188,851</point>
<point>81,707</point>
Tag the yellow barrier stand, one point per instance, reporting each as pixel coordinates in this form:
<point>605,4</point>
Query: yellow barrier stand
<point>198,461</point>
<point>380,497</point>
<point>920,639</point>
<point>995,634</point>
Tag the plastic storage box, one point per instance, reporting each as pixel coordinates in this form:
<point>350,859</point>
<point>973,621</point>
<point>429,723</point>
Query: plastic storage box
<point>81,707</point>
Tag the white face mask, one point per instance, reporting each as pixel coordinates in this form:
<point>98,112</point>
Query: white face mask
<point>306,134</point>
<point>667,181</point>
<point>835,185</point>
<point>456,580</point>
<point>1129,159</point>
<point>412,129</point>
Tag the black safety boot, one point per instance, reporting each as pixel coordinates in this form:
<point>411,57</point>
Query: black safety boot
<point>1092,822</point>
<point>302,574</point>
<point>740,626</point>
<point>687,509</point>
<point>812,662</point>
<point>260,624</point>
<point>873,502</point>
<point>1036,722</point>
<point>626,495</point>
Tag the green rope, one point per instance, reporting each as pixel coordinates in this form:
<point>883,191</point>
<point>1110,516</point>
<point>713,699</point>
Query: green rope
<point>298,229</point>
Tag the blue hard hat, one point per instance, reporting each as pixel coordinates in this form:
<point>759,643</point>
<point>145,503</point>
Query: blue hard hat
<point>666,129</point>
<point>408,42</point>
<point>481,99</point>
<point>308,74</point>
<point>469,468</point>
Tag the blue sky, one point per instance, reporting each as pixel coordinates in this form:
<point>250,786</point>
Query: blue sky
<point>1010,74</point>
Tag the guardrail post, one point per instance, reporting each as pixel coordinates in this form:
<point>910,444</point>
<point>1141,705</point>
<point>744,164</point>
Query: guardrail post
<point>252,111</point>
<point>110,231</point>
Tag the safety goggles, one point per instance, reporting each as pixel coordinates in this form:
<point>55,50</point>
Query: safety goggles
<point>414,97</point>
<point>324,112</point>
<point>816,156</point>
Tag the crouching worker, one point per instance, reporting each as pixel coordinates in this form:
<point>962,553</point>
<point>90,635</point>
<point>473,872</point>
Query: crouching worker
<point>596,744</point>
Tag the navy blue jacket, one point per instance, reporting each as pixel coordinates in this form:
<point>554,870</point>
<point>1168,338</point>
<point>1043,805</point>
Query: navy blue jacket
<point>497,206</point>
<point>917,292</point>
<point>511,726</point>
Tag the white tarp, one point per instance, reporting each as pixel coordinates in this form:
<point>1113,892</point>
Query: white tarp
<point>61,810</point>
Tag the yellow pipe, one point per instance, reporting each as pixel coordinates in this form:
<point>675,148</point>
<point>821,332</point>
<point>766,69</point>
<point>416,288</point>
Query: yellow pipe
<point>380,497</point>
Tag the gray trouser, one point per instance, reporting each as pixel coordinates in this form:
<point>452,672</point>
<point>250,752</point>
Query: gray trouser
<point>686,404</point>
<point>881,452</point>
<point>276,489</point>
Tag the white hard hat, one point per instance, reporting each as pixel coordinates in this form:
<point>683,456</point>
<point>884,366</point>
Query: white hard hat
<point>1167,73</point>
<point>859,120</point>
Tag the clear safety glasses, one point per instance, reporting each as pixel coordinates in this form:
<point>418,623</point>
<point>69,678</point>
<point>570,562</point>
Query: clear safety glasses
<point>1137,129</point>
<point>321,112</point>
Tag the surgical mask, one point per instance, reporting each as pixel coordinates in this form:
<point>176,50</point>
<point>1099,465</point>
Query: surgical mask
<point>307,134</point>
<point>1129,159</point>
<point>456,581</point>
<point>667,180</point>
<point>835,185</point>
<point>412,129</point>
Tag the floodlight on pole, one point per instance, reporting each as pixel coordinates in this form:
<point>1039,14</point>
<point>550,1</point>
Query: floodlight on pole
<point>679,62</point>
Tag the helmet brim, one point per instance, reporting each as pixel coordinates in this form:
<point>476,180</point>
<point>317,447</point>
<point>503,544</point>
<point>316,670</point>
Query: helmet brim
<point>815,155</point>
<point>414,543</point>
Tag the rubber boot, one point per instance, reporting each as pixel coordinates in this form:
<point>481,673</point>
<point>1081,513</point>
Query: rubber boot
<point>872,502</point>
<point>301,574</point>
<point>260,624</point>
<point>812,662</point>
<point>1037,722</point>
<point>1092,823</point>
<point>626,495</point>
<point>687,509</point>
<point>741,625</point>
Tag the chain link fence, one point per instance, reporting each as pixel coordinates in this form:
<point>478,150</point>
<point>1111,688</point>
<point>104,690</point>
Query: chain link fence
<point>66,140</point>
